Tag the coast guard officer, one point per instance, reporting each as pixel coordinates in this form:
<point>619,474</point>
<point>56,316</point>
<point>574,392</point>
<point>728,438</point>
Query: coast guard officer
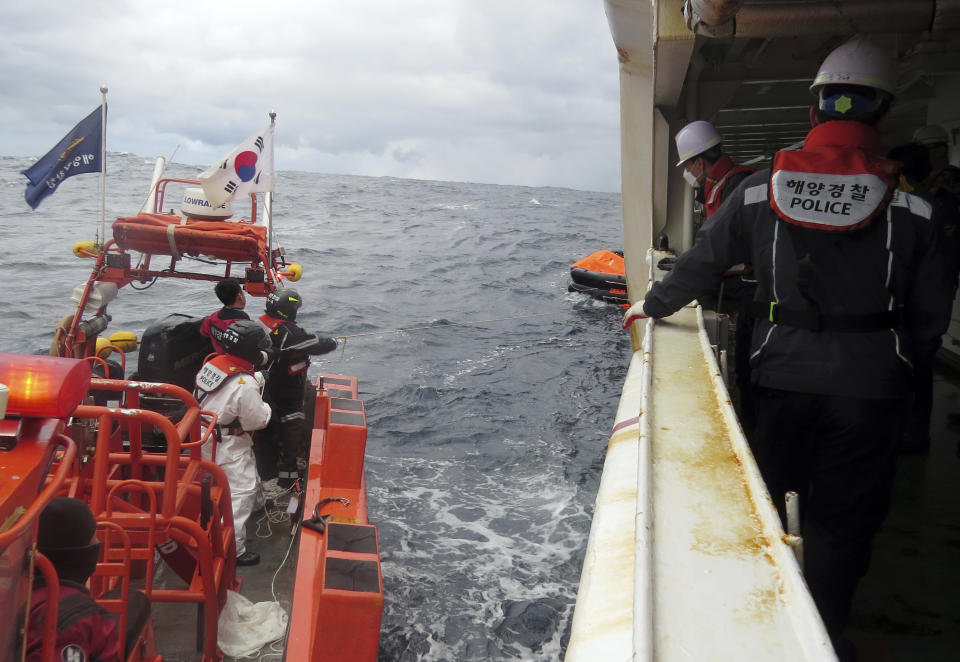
<point>714,176</point>
<point>844,303</point>
<point>230,386</point>
<point>280,444</point>
<point>711,173</point>
<point>233,299</point>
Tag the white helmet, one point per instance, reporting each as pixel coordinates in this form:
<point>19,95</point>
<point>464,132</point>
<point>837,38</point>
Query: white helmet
<point>858,62</point>
<point>931,135</point>
<point>694,139</point>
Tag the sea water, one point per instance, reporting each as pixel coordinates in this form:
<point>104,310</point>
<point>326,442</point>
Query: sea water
<point>486,434</point>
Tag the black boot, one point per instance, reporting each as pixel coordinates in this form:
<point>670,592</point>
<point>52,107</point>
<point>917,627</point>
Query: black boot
<point>248,558</point>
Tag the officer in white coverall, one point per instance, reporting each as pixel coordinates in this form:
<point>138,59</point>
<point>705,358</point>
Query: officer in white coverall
<point>230,386</point>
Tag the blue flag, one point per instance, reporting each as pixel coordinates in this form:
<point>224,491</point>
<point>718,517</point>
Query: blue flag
<point>77,153</point>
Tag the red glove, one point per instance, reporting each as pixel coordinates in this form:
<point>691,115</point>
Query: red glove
<point>635,312</point>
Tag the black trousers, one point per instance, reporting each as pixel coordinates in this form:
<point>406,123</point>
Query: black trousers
<point>916,432</point>
<point>276,446</point>
<point>838,453</point>
<point>287,436</point>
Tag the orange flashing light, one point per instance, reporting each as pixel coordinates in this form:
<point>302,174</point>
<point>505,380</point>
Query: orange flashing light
<point>43,386</point>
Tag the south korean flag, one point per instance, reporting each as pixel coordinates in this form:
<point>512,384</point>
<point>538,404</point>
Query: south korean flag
<point>247,169</point>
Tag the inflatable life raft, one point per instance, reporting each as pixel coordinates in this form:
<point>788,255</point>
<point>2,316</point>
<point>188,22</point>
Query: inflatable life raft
<point>601,275</point>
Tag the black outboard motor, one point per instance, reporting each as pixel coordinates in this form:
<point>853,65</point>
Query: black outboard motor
<point>171,351</point>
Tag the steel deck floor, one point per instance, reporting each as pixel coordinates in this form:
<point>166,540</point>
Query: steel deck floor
<point>175,624</point>
<point>907,606</point>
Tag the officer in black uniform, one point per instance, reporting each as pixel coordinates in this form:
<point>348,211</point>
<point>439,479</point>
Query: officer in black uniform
<point>286,386</point>
<point>848,295</point>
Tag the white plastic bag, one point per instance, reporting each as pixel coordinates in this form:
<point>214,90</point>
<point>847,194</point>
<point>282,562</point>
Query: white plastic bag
<point>244,627</point>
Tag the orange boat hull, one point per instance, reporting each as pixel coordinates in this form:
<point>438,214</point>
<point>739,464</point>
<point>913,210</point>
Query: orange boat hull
<point>338,593</point>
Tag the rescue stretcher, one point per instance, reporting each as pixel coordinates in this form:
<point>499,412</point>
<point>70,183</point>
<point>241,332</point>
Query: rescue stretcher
<point>170,234</point>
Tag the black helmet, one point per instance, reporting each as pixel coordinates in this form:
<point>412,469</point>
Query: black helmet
<point>284,304</point>
<point>248,340</point>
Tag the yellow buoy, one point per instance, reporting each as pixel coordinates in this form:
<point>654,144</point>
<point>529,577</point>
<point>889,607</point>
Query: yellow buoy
<point>126,341</point>
<point>103,348</point>
<point>86,249</point>
<point>294,272</point>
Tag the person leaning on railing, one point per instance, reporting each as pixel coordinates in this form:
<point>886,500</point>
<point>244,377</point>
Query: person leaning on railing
<point>848,294</point>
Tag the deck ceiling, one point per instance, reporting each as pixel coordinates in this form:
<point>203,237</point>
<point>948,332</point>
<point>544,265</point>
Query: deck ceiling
<point>754,88</point>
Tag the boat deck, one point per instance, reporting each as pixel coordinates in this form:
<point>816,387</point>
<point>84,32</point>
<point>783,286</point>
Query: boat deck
<point>175,625</point>
<point>906,607</point>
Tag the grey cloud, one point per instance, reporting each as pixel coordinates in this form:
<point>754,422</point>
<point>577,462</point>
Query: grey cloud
<point>453,89</point>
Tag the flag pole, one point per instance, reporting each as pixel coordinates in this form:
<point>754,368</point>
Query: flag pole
<point>103,165</point>
<point>268,207</point>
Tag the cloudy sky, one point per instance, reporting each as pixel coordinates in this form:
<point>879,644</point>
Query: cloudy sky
<point>497,91</point>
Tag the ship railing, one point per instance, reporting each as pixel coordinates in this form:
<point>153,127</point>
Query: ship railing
<point>60,470</point>
<point>682,510</point>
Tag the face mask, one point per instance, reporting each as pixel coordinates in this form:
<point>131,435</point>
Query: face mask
<point>75,564</point>
<point>690,178</point>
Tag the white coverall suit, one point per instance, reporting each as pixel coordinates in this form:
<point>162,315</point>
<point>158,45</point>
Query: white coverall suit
<point>236,400</point>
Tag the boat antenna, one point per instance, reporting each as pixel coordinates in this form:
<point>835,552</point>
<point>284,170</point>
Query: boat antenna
<point>268,200</point>
<point>102,232</point>
<point>157,174</point>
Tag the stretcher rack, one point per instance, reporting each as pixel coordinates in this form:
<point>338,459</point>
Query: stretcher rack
<point>237,248</point>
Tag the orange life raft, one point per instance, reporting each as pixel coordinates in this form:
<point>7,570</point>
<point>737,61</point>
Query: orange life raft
<point>601,275</point>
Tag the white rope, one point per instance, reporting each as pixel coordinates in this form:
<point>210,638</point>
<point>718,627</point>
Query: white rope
<point>276,513</point>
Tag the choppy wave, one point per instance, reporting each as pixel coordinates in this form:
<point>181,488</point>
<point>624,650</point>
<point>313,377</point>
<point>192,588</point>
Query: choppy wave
<point>486,440</point>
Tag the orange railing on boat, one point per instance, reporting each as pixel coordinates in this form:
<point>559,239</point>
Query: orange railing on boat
<point>338,592</point>
<point>175,500</point>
